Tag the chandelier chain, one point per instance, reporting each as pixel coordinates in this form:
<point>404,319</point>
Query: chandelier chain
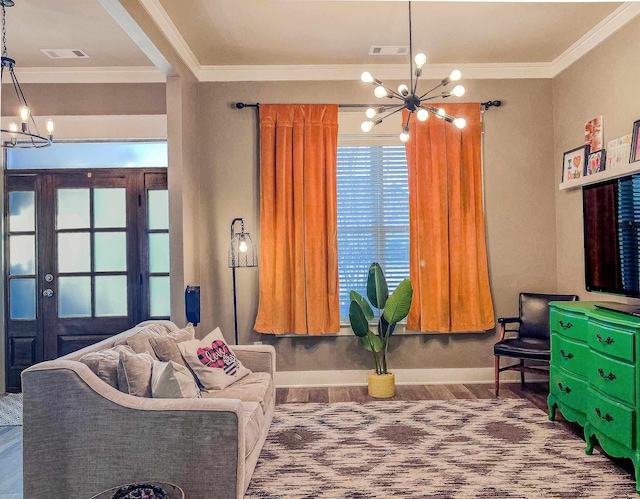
<point>4,32</point>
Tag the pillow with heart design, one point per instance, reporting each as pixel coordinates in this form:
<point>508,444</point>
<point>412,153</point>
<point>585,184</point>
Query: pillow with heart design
<point>212,361</point>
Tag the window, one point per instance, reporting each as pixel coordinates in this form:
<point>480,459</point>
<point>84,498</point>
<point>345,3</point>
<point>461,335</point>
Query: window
<point>373,216</point>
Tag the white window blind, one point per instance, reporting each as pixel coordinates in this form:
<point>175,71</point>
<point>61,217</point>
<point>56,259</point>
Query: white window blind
<point>629,224</point>
<point>373,216</point>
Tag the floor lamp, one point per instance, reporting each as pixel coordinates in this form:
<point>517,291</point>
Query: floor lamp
<point>242,253</point>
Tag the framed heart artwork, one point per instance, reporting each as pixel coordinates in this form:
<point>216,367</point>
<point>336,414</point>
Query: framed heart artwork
<point>574,163</point>
<point>596,162</point>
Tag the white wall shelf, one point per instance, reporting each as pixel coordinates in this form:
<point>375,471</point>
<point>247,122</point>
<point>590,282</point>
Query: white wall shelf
<point>621,171</point>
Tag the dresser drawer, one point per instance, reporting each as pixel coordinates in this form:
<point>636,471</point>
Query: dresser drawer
<point>613,377</point>
<point>568,324</point>
<point>611,418</point>
<point>569,354</point>
<point>568,389</point>
<point>611,340</point>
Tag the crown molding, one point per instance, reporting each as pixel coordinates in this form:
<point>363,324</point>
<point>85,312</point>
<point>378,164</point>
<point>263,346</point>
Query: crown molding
<point>594,37</point>
<point>381,71</point>
<point>145,74</point>
<point>156,11</point>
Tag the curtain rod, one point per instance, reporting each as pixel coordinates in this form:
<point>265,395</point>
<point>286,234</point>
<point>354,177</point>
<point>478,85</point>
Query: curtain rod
<point>485,105</point>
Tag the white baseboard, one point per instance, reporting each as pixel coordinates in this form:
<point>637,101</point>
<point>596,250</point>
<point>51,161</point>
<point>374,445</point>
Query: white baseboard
<point>308,379</point>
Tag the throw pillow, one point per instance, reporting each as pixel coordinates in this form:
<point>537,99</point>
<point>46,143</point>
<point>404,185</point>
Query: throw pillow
<point>104,363</point>
<point>166,347</point>
<point>212,361</point>
<point>134,373</point>
<point>139,341</point>
<point>173,381</point>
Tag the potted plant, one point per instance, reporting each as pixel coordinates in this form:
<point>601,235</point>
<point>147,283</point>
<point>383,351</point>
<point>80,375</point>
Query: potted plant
<point>390,310</point>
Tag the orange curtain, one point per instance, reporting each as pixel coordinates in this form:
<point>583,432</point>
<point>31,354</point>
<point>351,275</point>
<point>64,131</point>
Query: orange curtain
<point>298,220</point>
<point>448,256</point>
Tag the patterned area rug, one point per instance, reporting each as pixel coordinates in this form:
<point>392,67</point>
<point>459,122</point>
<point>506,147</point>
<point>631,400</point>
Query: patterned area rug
<point>429,449</point>
<point>11,409</point>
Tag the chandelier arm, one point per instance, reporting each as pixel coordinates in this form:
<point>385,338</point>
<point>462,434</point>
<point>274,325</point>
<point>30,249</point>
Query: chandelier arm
<point>415,85</point>
<point>392,92</point>
<point>429,91</point>
<point>381,119</point>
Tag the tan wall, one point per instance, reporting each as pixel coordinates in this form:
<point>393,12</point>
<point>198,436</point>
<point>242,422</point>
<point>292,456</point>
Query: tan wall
<point>88,99</point>
<point>604,82</point>
<point>520,215</point>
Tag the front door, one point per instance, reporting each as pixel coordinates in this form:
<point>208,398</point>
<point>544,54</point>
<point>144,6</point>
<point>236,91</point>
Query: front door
<point>78,247</point>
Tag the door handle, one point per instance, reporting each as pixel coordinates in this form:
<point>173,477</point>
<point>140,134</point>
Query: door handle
<point>47,293</point>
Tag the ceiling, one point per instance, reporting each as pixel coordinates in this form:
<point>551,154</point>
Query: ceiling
<point>219,34</point>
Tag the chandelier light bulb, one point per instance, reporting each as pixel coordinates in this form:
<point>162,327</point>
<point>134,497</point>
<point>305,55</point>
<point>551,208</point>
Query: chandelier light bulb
<point>459,123</point>
<point>13,128</point>
<point>366,126</point>
<point>404,136</point>
<point>458,91</point>
<point>371,112</point>
<point>243,247</point>
<point>420,59</point>
<point>455,75</point>
<point>422,115</point>
<point>51,125</point>
<point>380,92</point>
<point>403,90</point>
<point>441,113</point>
<point>24,114</point>
<point>366,77</point>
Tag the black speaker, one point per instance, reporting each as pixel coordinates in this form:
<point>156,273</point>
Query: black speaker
<point>192,304</point>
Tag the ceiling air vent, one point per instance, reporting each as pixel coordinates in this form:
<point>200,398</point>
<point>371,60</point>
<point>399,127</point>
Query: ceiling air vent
<point>65,53</point>
<point>388,50</point>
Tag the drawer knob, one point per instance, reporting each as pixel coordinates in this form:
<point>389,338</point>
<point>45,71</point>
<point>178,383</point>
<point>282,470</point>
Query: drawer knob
<point>608,341</point>
<point>606,417</point>
<point>564,389</point>
<point>609,376</point>
<point>566,355</point>
<point>568,325</point>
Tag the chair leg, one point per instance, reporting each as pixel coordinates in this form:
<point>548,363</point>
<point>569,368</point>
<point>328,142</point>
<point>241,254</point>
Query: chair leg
<point>522,374</point>
<point>497,374</point>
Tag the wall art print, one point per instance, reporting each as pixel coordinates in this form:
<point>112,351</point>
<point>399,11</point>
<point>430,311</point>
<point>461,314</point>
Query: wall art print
<point>618,151</point>
<point>593,133</point>
<point>574,163</point>
<point>596,162</point>
<point>635,143</point>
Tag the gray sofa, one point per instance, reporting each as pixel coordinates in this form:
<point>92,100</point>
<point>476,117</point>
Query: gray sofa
<point>82,436</point>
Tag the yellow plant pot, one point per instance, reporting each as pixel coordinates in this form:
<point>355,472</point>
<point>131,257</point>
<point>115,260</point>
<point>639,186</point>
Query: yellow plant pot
<point>381,386</point>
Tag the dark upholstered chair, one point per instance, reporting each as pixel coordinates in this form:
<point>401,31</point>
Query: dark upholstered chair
<point>529,338</point>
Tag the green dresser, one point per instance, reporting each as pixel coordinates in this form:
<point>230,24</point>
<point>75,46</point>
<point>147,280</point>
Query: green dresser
<point>593,376</point>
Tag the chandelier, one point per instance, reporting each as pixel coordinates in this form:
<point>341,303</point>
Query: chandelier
<point>411,101</point>
<point>21,136</point>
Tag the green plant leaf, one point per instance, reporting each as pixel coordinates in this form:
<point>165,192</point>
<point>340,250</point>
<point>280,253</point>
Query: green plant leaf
<point>364,304</point>
<point>399,302</point>
<point>375,341</point>
<point>358,321</point>
<point>377,289</point>
<point>383,326</point>
<point>364,341</point>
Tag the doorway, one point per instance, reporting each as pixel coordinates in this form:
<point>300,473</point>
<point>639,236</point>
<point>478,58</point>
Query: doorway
<point>86,256</point>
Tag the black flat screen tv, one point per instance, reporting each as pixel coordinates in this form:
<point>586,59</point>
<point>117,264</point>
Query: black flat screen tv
<point>612,236</point>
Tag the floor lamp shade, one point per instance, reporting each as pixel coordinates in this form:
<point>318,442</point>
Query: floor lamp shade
<point>242,253</point>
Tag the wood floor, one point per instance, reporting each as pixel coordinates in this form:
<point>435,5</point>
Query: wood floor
<point>536,393</point>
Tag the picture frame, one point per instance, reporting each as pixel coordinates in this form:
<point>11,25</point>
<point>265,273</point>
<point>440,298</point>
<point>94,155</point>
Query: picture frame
<point>574,163</point>
<point>596,162</point>
<point>635,143</point>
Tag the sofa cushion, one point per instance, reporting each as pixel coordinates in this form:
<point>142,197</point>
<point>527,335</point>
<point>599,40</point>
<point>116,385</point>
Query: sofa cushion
<point>212,361</point>
<point>104,363</point>
<point>253,425</point>
<point>166,347</point>
<point>255,387</point>
<point>139,340</point>
<point>134,373</point>
<point>170,381</point>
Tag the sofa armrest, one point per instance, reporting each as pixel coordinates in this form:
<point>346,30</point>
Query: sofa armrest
<point>82,436</point>
<point>258,358</point>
